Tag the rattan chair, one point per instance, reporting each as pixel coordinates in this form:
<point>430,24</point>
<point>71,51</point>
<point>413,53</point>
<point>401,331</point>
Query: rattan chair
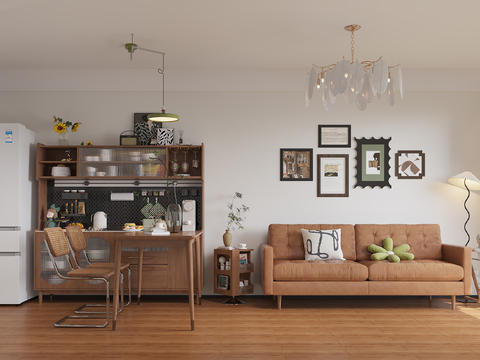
<point>57,245</point>
<point>79,245</point>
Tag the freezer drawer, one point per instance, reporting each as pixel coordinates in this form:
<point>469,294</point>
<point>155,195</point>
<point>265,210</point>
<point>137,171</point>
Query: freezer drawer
<point>9,240</point>
<point>10,280</point>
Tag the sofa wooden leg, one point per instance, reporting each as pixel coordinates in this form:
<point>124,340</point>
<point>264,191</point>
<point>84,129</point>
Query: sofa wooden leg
<point>453,302</point>
<point>431,297</point>
<point>274,298</point>
<point>279,302</point>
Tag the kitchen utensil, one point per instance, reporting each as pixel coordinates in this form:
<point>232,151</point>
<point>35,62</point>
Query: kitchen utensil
<point>146,209</point>
<point>185,165</point>
<point>175,165</point>
<point>99,220</point>
<point>195,162</point>
<point>157,209</point>
<point>60,171</point>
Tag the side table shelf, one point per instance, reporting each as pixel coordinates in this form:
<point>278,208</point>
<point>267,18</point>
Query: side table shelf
<point>233,279</point>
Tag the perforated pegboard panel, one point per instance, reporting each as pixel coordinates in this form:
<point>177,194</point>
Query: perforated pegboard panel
<point>120,212</point>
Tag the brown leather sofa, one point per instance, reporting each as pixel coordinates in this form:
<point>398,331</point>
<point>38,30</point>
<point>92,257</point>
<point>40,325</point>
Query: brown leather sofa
<point>438,269</point>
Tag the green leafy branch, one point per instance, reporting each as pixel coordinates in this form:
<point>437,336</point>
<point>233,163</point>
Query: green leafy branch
<point>236,214</point>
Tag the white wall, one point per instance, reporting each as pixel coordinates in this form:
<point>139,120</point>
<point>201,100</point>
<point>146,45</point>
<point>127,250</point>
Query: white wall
<point>244,130</point>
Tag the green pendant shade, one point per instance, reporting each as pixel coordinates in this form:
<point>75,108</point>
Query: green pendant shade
<point>162,117</point>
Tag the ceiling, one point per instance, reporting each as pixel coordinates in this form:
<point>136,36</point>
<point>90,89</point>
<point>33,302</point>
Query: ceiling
<point>240,34</point>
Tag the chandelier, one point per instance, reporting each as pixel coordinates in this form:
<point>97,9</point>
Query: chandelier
<point>358,82</point>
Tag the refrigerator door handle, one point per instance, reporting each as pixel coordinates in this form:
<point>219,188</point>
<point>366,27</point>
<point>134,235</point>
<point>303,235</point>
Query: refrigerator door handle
<point>9,254</point>
<point>10,228</point>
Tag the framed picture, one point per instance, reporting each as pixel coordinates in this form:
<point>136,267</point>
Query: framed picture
<point>222,282</point>
<point>296,164</point>
<point>147,133</point>
<point>332,175</point>
<point>334,136</point>
<point>373,168</point>
<point>409,164</point>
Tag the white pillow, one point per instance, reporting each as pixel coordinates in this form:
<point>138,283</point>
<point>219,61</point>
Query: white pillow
<point>322,244</point>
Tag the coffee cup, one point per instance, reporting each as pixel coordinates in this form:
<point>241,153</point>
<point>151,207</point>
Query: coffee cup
<point>242,246</point>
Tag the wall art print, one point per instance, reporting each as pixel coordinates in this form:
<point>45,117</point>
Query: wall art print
<point>165,136</point>
<point>296,164</point>
<point>145,130</point>
<point>332,175</point>
<point>334,136</point>
<point>373,168</point>
<point>409,164</point>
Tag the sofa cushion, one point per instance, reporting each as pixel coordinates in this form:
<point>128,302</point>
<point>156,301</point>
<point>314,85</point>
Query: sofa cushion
<point>424,240</point>
<point>413,270</point>
<point>318,270</point>
<point>322,244</point>
<point>287,240</point>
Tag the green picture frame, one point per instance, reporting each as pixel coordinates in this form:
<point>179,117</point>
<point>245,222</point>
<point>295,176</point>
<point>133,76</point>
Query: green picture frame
<point>373,162</point>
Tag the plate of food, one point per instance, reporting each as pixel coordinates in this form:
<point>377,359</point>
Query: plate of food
<point>132,227</point>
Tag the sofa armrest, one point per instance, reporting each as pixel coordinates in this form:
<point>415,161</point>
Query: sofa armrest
<point>460,255</point>
<point>266,268</point>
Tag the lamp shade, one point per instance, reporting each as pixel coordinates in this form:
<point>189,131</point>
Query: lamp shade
<point>163,117</point>
<point>465,178</point>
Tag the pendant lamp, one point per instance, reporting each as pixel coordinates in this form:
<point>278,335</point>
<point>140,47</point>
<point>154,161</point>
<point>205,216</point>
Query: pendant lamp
<point>162,116</point>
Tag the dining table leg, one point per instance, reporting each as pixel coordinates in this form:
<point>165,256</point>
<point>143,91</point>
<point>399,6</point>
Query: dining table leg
<point>198,270</point>
<point>140,273</point>
<point>190,281</point>
<point>117,261</point>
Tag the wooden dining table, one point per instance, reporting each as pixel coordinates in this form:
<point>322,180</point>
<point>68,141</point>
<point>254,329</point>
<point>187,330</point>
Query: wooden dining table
<point>189,239</point>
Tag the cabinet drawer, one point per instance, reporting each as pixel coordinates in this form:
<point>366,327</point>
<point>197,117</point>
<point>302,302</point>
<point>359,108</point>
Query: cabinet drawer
<point>149,257</point>
<point>153,277</point>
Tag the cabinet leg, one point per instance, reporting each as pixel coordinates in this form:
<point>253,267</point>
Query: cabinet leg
<point>279,302</point>
<point>40,297</point>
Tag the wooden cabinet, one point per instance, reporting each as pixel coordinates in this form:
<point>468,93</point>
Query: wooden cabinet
<point>239,273</point>
<point>117,167</point>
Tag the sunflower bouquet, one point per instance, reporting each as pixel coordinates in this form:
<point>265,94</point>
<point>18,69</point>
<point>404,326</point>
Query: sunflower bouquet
<point>60,126</point>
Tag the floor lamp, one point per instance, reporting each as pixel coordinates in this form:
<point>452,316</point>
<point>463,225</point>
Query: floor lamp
<point>467,180</point>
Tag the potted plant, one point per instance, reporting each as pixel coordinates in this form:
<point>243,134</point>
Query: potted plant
<point>235,217</point>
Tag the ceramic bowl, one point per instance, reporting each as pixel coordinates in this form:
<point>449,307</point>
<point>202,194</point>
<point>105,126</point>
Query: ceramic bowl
<point>100,173</point>
<point>74,191</point>
<point>81,191</point>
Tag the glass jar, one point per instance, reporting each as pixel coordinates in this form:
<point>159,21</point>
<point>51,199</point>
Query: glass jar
<point>174,218</point>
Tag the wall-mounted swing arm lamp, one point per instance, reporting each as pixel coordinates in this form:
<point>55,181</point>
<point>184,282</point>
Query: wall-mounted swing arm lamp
<point>163,116</point>
<point>466,180</point>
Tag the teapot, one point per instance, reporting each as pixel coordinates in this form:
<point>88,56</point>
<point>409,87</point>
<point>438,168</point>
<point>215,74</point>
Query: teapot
<point>99,220</point>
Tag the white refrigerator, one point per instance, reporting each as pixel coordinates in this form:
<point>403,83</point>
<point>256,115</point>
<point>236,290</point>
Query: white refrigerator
<point>18,212</point>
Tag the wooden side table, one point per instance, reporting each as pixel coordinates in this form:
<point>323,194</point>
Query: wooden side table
<point>475,281</point>
<point>227,282</point>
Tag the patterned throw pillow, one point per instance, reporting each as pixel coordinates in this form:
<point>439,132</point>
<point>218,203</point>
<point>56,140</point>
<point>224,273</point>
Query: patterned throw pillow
<point>322,244</point>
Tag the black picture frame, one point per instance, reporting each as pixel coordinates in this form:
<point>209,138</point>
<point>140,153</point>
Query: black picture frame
<point>334,136</point>
<point>332,178</point>
<point>373,162</point>
<point>296,164</point>
<point>410,164</point>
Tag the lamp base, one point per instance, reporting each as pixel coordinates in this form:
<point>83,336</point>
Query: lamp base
<point>233,301</point>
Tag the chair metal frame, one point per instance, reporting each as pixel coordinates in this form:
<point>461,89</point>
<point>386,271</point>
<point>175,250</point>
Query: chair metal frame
<point>89,263</point>
<point>104,279</point>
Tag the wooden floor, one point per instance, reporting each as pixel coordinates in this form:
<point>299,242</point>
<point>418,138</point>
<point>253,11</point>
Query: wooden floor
<point>305,328</point>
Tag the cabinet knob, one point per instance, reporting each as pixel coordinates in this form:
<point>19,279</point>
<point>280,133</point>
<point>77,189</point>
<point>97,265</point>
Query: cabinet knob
<point>86,183</point>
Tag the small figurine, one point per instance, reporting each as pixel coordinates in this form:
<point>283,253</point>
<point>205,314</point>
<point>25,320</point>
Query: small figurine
<point>52,213</point>
<point>69,157</point>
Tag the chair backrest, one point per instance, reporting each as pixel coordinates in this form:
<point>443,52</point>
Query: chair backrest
<point>56,241</point>
<point>76,238</point>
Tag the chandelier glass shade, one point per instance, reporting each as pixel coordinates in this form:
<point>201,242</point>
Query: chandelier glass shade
<point>358,82</point>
